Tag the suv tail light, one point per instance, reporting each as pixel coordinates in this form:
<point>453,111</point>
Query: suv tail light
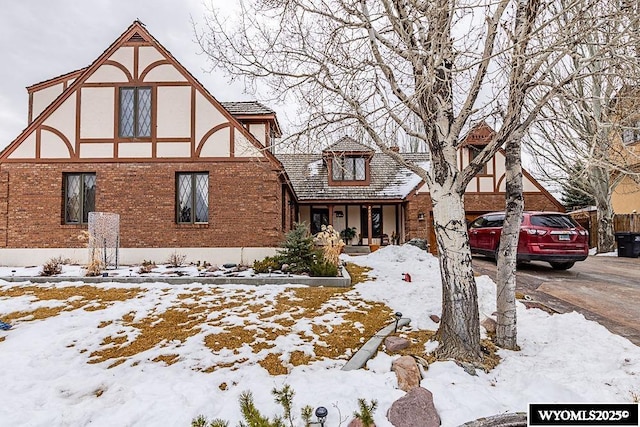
<point>534,231</point>
<point>583,232</point>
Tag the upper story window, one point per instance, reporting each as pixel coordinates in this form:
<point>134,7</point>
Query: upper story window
<point>135,112</point>
<point>631,133</point>
<point>79,197</point>
<point>348,168</point>
<point>474,151</point>
<point>192,194</point>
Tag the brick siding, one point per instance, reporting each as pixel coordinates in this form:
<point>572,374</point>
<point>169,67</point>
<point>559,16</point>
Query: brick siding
<point>245,204</point>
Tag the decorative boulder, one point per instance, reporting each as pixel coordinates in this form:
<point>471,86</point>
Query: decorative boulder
<point>394,344</point>
<point>407,372</point>
<point>415,409</point>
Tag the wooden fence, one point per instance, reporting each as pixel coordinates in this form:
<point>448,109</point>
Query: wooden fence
<point>621,222</point>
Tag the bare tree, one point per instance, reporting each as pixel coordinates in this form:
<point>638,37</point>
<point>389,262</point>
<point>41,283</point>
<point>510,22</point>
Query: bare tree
<point>425,69</point>
<point>582,124</point>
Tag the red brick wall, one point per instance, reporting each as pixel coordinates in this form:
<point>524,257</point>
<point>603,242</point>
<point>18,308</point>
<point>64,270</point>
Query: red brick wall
<point>244,204</point>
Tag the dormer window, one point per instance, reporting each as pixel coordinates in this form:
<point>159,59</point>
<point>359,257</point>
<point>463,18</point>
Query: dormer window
<point>348,168</point>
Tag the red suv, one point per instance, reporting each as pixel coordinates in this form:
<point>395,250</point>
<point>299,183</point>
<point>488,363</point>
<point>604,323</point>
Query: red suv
<point>544,236</point>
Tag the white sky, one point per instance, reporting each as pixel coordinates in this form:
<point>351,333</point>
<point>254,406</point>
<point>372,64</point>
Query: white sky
<point>41,39</point>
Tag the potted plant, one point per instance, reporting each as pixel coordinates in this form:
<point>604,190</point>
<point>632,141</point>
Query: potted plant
<point>348,234</point>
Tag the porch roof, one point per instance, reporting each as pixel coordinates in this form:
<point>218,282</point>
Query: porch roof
<point>389,180</point>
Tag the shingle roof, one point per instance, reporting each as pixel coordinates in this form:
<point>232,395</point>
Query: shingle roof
<point>389,180</point>
<point>246,108</point>
<point>347,144</point>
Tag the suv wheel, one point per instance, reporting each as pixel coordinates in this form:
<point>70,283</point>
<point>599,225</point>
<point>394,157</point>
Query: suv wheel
<point>562,265</point>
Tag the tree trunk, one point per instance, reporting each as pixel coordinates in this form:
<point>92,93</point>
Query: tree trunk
<point>459,332</point>
<point>506,330</point>
<point>602,194</point>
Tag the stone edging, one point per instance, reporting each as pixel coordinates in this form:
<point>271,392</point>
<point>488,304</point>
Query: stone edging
<point>331,282</point>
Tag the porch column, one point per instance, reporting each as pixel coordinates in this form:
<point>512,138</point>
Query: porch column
<point>370,224</point>
<point>330,215</point>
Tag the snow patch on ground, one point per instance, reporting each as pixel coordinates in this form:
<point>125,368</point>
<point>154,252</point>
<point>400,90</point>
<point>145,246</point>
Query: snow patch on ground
<point>46,379</point>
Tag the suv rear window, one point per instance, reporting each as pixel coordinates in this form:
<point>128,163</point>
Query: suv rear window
<point>552,221</point>
<point>488,221</point>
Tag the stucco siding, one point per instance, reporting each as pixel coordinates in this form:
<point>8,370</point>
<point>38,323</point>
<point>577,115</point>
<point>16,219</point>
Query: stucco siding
<point>218,144</point>
<point>52,147</point>
<point>174,112</point>
<point>108,73</point>
<point>173,149</point>
<point>124,56</point>
<point>42,98</point>
<point>207,116</point>
<point>63,119</point>
<point>164,73</point>
<point>97,112</point>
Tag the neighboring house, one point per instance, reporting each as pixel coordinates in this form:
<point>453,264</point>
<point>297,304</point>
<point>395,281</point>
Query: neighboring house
<point>351,185</point>
<point>625,197</point>
<point>134,133</point>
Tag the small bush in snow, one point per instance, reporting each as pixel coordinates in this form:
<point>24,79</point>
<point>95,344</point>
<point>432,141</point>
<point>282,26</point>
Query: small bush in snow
<point>146,267</point>
<point>267,265</point>
<point>53,266</point>
<point>176,260</point>
<point>366,412</point>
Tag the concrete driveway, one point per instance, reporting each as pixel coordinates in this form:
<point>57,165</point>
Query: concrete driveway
<point>603,289</point>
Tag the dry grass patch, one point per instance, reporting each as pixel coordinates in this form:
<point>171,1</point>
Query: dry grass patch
<point>90,299</point>
<point>169,359</point>
<point>175,324</point>
<point>273,365</point>
<point>358,273</point>
<point>2,338</point>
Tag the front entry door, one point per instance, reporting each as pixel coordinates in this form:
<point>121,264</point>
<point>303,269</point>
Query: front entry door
<point>319,217</point>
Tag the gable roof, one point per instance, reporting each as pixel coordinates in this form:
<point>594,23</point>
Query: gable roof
<point>136,33</point>
<point>389,180</point>
<point>346,144</point>
<point>480,134</point>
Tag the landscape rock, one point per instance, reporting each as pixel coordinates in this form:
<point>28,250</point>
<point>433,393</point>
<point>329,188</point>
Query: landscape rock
<point>415,409</point>
<point>394,344</point>
<point>489,324</point>
<point>407,372</point>
<point>435,318</point>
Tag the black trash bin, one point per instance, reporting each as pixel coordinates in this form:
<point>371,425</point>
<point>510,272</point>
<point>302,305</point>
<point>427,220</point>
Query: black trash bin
<point>628,244</point>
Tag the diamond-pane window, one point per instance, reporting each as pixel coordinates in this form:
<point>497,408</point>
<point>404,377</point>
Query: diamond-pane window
<point>192,197</point>
<point>360,169</point>
<point>135,112</point>
<point>79,197</point>
<point>349,169</point>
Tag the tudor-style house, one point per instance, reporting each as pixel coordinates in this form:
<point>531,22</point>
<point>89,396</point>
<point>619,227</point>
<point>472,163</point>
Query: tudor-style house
<point>135,134</point>
<point>350,185</point>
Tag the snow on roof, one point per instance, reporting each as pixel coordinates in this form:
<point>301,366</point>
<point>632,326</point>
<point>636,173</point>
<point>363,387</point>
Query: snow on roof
<point>389,180</point>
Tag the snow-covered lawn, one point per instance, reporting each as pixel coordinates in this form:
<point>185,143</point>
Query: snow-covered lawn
<point>159,354</point>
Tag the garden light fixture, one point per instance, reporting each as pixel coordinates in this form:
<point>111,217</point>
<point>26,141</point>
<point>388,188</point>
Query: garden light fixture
<point>398,316</point>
